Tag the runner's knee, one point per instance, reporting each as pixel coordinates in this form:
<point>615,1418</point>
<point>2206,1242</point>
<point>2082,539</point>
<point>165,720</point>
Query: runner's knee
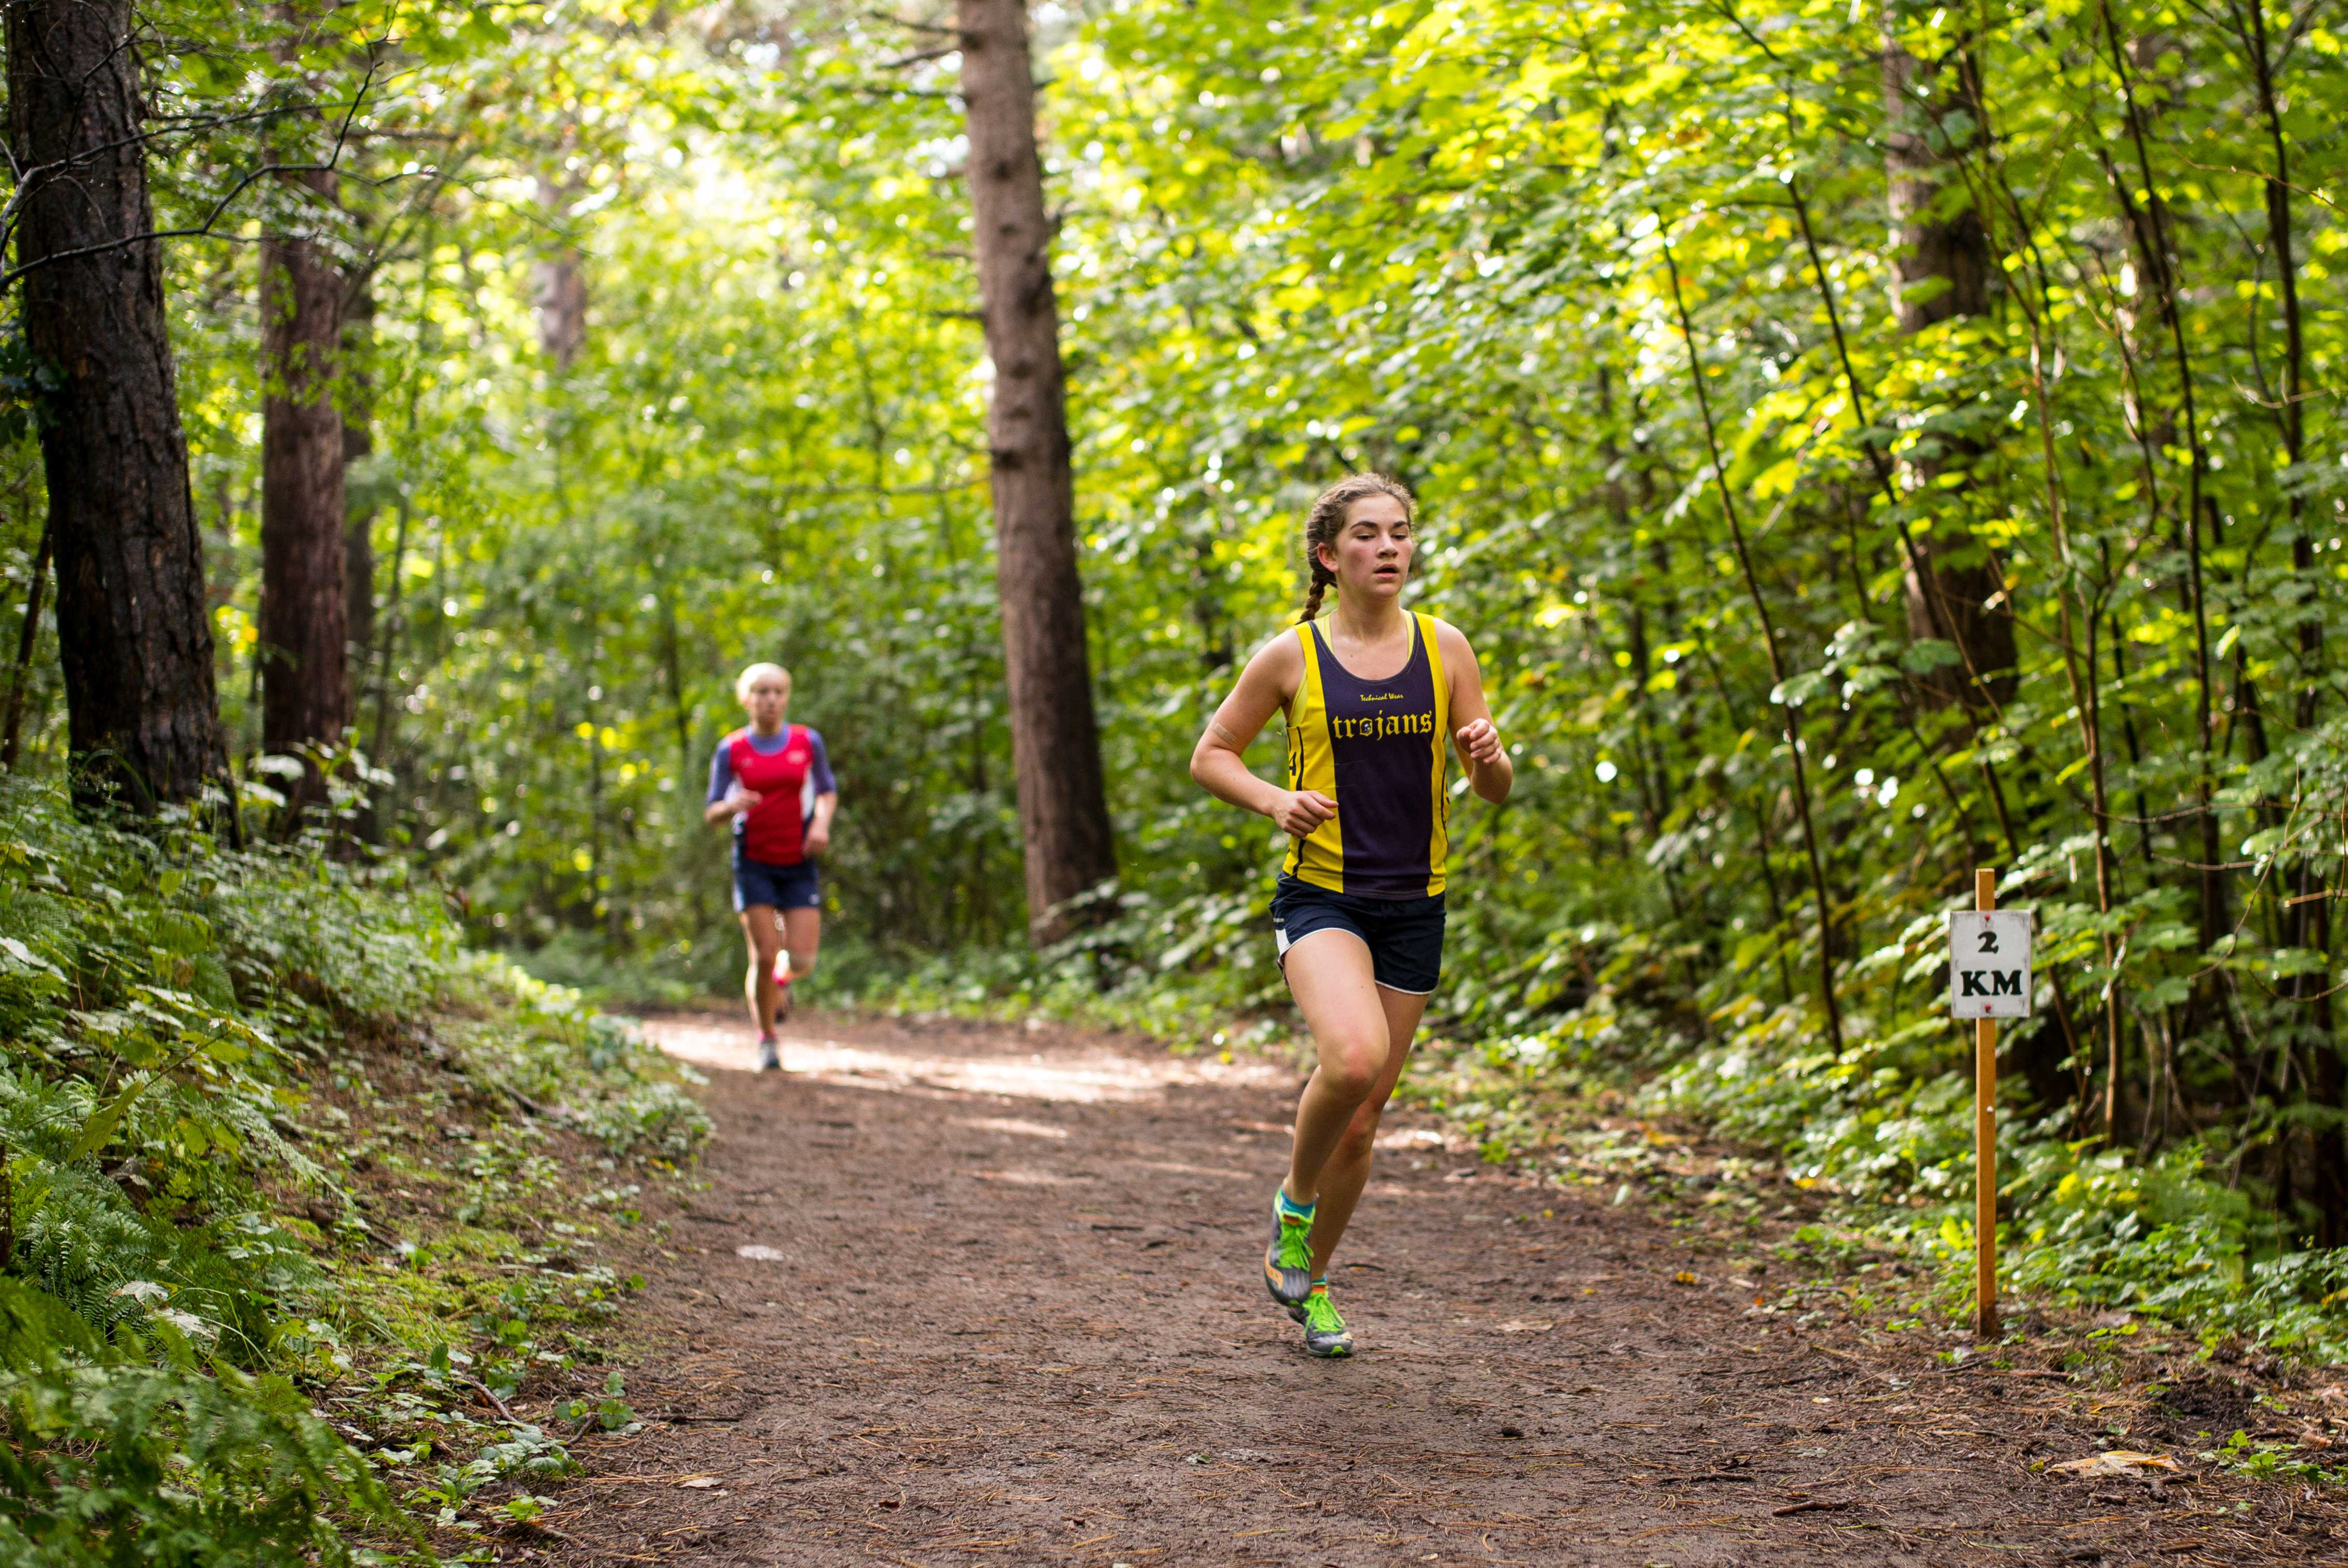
<point>1350,1068</point>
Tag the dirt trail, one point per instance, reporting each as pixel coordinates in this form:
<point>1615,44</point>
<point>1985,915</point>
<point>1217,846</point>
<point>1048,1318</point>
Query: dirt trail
<point>958,1294</point>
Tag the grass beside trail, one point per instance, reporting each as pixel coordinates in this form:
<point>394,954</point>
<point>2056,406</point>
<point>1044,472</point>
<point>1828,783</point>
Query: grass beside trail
<point>311,1213</point>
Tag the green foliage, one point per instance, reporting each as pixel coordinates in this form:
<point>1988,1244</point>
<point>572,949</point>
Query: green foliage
<point>640,1110</point>
<point>172,1007</point>
<point>116,1464</point>
<point>154,990</point>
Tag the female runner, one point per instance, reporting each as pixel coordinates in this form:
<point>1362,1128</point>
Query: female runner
<point>1371,695</point>
<point>773,782</point>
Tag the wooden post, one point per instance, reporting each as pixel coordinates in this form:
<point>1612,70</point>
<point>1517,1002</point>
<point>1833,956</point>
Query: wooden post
<point>1985,1144</point>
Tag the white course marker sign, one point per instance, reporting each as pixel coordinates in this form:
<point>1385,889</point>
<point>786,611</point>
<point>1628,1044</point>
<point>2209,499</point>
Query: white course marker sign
<point>1989,963</point>
<point>1988,979</point>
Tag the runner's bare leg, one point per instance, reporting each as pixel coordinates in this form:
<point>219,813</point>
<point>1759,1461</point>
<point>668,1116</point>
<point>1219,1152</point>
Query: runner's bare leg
<point>1348,1170</point>
<point>765,939</point>
<point>1328,972</point>
<point>803,935</point>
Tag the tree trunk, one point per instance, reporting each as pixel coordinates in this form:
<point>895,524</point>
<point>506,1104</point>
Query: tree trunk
<point>27,637</point>
<point>561,289</point>
<point>1944,269</point>
<point>134,639</point>
<point>1055,740</point>
<point>359,505</point>
<point>359,525</point>
<point>304,662</point>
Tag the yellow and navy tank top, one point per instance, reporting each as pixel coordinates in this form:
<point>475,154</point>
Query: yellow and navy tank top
<point>1377,748</point>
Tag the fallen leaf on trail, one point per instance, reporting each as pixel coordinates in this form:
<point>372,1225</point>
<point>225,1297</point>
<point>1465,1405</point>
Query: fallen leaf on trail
<point>2118,1462</point>
<point>1683,1277</point>
<point>1527,1326</point>
<point>702,1482</point>
<point>757,1254</point>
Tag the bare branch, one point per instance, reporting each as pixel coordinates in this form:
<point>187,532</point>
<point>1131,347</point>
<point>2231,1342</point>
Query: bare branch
<point>902,61</point>
<point>910,26</point>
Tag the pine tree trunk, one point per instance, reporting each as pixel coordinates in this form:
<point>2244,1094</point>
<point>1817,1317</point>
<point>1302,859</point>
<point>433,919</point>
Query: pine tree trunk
<point>304,589</point>
<point>134,639</point>
<point>561,282</point>
<point>358,524</point>
<point>1945,267</point>
<point>1055,740</point>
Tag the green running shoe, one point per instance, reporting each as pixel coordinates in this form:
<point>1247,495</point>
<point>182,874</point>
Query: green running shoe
<point>1325,1333</point>
<point>1288,1261</point>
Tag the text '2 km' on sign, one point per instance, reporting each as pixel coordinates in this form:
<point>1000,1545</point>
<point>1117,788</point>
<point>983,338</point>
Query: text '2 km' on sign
<point>1989,963</point>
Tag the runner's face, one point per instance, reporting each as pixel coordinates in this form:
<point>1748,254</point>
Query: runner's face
<point>766,701</point>
<point>1371,554</point>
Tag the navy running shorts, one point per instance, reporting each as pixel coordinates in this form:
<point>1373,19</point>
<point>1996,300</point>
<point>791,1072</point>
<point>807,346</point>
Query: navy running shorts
<point>790,886</point>
<point>1404,936</point>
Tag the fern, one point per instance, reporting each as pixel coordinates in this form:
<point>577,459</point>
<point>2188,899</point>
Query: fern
<point>112,1466</point>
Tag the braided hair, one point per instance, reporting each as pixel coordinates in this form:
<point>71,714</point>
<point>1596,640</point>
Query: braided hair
<point>1328,516</point>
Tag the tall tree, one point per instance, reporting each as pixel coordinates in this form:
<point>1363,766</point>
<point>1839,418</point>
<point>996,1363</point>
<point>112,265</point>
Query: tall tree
<point>1942,258</point>
<point>134,637</point>
<point>1054,738</point>
<point>560,279</point>
<point>360,502</point>
<point>305,698</point>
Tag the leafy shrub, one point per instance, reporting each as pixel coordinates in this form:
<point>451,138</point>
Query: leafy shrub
<point>157,993</point>
<point>115,1464</point>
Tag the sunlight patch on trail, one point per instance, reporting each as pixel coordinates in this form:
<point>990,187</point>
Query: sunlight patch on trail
<point>1011,1125</point>
<point>1183,1170</point>
<point>1068,1075</point>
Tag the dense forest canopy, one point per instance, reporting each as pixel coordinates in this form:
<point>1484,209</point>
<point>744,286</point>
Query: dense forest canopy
<point>1864,442</point>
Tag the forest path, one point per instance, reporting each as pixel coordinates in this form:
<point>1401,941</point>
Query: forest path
<point>960,1294</point>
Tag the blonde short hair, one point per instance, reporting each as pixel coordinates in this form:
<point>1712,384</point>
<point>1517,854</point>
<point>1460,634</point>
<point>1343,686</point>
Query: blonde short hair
<point>750,677</point>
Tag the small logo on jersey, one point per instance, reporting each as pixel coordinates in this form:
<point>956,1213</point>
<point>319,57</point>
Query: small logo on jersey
<point>1382,697</point>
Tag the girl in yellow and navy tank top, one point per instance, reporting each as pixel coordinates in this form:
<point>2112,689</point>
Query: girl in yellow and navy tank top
<point>1378,749</point>
<point>1374,697</point>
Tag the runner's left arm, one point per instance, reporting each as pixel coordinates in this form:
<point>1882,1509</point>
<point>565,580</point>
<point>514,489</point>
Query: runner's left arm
<point>1489,772</point>
<point>826,797</point>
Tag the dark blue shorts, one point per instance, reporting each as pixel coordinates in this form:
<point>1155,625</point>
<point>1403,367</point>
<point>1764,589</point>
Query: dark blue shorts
<point>783,886</point>
<point>1404,936</point>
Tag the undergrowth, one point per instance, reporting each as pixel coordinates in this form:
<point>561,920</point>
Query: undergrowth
<point>292,1208</point>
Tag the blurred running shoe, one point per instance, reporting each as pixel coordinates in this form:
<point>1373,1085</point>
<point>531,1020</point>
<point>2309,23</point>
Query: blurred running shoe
<point>1325,1333</point>
<point>1288,1261</point>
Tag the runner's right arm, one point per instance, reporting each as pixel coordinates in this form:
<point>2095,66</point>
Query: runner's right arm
<point>1219,763</point>
<point>728,798</point>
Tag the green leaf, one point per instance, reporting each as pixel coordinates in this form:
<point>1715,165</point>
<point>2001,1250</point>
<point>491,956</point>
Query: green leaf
<point>1927,654</point>
<point>102,1123</point>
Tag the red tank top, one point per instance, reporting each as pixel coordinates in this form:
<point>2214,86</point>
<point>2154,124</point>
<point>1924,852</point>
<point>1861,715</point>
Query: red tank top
<point>773,834</point>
